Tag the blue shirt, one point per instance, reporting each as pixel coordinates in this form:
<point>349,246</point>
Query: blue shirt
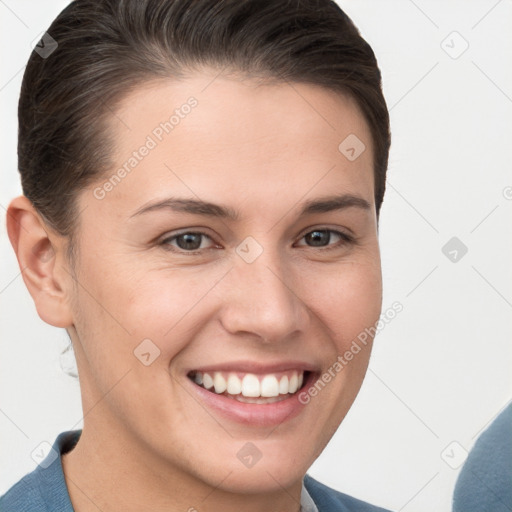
<point>44,489</point>
<point>485,481</point>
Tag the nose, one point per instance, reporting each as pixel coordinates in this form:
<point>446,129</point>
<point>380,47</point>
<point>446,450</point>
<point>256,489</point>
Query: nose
<point>263,300</point>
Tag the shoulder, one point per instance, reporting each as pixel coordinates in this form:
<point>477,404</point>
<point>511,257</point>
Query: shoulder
<point>484,481</point>
<point>330,500</point>
<point>44,489</point>
<point>24,496</point>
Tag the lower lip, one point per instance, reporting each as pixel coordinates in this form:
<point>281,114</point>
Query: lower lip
<point>263,415</point>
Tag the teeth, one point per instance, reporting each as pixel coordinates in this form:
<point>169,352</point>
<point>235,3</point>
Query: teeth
<point>234,385</point>
<point>207,381</point>
<point>293,384</point>
<point>269,386</point>
<point>250,386</point>
<point>219,383</point>
<point>283,385</point>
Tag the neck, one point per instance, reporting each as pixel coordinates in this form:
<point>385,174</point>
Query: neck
<point>116,474</point>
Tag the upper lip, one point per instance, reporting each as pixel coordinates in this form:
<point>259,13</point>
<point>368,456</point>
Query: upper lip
<point>255,367</point>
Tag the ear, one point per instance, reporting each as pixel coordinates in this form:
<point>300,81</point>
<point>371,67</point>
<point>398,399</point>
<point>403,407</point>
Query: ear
<point>41,257</point>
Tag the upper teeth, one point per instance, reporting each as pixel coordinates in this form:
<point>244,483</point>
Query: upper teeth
<point>251,385</point>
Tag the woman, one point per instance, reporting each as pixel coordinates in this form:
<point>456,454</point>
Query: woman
<point>202,184</point>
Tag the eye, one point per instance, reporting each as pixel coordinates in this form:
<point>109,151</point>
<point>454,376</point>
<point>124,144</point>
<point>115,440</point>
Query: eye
<point>322,238</point>
<point>189,241</point>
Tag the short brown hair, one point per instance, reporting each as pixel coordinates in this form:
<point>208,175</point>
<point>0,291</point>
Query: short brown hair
<point>108,47</point>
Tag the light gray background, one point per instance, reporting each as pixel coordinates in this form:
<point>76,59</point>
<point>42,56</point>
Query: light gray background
<point>440,371</point>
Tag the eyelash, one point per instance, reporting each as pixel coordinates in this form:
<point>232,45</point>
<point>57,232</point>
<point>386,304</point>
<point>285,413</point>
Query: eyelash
<point>345,239</point>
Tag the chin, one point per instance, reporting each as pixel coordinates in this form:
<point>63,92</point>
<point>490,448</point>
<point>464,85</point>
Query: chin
<point>263,466</point>
<point>266,478</point>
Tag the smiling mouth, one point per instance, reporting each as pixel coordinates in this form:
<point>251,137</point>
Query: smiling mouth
<point>249,387</point>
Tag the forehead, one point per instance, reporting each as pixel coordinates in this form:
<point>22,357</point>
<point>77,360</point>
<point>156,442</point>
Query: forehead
<point>208,135</point>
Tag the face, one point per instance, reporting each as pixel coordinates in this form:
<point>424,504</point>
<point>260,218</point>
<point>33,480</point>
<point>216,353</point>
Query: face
<point>224,276</point>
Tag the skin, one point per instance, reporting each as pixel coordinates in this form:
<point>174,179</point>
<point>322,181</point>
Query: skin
<point>147,443</point>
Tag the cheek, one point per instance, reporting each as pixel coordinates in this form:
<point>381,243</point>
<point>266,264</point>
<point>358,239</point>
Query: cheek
<point>347,303</point>
<point>121,304</point>
<point>347,300</point>
<point>165,306</point>
<point>163,303</point>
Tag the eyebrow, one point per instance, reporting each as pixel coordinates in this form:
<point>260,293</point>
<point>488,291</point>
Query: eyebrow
<point>198,207</point>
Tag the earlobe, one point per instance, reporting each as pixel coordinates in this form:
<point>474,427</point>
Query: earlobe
<point>40,256</point>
